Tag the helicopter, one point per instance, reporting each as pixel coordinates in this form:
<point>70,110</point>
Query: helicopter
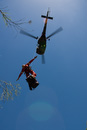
<point>41,46</point>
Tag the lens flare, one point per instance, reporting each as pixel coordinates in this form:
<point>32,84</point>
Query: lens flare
<point>41,111</point>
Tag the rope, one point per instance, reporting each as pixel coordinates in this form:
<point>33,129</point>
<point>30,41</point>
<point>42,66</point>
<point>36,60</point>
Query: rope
<point>34,54</point>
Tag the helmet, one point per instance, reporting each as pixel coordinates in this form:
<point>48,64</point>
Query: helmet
<point>23,65</point>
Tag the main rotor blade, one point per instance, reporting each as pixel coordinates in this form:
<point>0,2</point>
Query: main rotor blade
<point>43,59</point>
<point>27,34</point>
<point>57,31</point>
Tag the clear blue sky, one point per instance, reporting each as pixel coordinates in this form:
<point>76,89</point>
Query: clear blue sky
<point>60,101</point>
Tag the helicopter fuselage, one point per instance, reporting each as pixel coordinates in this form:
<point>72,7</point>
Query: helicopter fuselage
<point>41,46</point>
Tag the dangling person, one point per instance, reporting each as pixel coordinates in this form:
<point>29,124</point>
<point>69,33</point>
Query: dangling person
<point>33,83</point>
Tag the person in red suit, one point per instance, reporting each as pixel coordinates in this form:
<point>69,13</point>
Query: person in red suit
<point>26,69</point>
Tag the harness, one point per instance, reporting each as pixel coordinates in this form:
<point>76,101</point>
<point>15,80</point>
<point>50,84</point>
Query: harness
<point>27,70</point>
